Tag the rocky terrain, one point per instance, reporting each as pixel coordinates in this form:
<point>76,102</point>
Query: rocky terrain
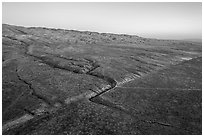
<point>57,81</point>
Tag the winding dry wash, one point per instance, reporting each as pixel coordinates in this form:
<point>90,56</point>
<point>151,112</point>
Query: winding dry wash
<point>71,82</point>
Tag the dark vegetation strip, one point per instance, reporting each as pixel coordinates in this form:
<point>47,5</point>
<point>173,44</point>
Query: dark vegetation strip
<point>29,112</point>
<point>94,64</point>
<point>12,38</point>
<point>21,31</point>
<point>50,63</point>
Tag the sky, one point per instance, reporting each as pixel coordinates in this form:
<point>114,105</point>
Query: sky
<point>150,20</point>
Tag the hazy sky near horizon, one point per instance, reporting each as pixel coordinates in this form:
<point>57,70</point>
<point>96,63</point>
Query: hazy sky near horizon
<point>153,20</point>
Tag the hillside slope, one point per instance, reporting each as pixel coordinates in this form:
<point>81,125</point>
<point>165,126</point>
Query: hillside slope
<point>70,82</point>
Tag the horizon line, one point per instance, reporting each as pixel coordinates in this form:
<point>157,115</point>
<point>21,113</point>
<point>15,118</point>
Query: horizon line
<point>48,27</point>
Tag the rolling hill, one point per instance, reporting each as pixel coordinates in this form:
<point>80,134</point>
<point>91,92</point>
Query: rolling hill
<point>57,81</point>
